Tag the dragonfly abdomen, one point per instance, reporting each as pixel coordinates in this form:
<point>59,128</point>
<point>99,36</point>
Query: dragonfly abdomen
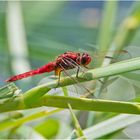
<point>46,68</point>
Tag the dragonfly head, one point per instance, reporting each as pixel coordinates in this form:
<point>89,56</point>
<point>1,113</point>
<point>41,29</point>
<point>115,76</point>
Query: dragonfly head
<point>85,59</point>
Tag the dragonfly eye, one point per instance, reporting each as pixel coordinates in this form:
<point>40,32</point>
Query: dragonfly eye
<point>85,59</point>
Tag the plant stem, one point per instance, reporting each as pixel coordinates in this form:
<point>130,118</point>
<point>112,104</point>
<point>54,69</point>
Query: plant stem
<point>10,123</point>
<point>76,103</point>
<point>30,98</point>
<point>79,104</point>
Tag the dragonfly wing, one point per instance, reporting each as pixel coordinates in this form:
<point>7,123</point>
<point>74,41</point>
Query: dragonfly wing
<point>75,79</point>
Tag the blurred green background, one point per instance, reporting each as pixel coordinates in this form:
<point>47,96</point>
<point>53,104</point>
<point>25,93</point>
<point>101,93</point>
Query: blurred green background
<point>35,33</point>
<point>47,30</point>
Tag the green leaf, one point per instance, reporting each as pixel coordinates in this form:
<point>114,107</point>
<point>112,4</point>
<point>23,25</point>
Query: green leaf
<point>49,128</point>
<point>111,125</point>
<point>9,90</point>
<point>7,124</point>
<point>132,131</point>
<point>120,89</point>
<point>132,75</point>
<point>78,128</point>
<point>105,34</point>
<point>22,132</point>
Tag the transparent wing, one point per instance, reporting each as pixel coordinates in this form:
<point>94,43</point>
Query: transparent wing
<point>75,90</point>
<point>81,86</point>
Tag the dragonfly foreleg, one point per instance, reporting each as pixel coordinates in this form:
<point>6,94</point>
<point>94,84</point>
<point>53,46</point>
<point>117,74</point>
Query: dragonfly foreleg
<point>109,57</point>
<point>78,68</point>
<point>101,81</point>
<point>74,64</point>
<point>87,67</point>
<point>58,73</point>
<point>58,83</point>
<point>89,92</point>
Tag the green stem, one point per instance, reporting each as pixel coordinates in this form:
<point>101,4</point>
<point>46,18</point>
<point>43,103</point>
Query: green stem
<point>91,104</point>
<point>111,70</point>
<point>10,123</point>
<point>106,27</point>
<point>79,131</point>
<point>77,103</point>
<point>123,37</point>
<point>31,97</point>
<point>82,104</point>
<point>78,128</point>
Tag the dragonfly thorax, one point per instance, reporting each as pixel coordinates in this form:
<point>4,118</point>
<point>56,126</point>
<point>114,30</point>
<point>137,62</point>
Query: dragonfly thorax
<point>70,60</point>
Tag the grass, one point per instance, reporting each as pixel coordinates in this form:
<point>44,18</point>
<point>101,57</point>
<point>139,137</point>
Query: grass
<point>38,96</point>
<point>29,99</point>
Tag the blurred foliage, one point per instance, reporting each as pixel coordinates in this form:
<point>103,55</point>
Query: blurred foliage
<point>49,128</point>
<point>54,27</point>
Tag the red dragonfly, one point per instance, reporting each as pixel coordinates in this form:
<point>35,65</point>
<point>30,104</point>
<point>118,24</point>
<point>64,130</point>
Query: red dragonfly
<point>65,61</point>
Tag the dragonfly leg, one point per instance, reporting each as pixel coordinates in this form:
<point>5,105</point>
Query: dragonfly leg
<point>110,57</point>
<point>77,72</point>
<point>58,73</point>
<point>78,68</point>
<point>129,54</point>
<point>101,81</point>
<point>87,67</point>
<point>58,82</point>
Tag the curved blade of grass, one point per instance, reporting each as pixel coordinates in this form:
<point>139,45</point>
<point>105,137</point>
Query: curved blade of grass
<point>9,90</point>
<point>79,131</point>
<point>76,103</point>
<point>133,76</point>
<point>105,35</point>
<point>34,94</point>
<point>106,28</point>
<point>29,99</point>
<point>11,124</point>
<point>125,33</point>
<point>123,37</point>
<point>78,128</point>
<point>111,125</point>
